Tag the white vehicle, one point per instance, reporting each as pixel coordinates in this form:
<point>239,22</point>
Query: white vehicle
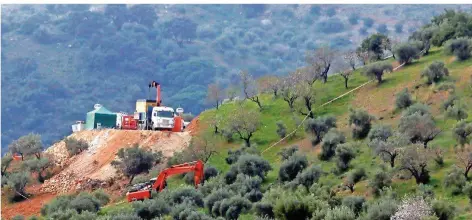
<point>162,118</point>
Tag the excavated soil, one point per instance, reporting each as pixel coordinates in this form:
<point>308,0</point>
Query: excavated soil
<point>193,127</point>
<point>29,207</point>
<point>94,167</point>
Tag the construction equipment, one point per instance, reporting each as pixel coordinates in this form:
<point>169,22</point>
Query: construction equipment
<point>143,190</point>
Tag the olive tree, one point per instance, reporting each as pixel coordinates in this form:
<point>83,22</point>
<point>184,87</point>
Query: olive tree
<point>320,126</point>
<point>330,141</point>
<point>389,149</point>
<point>344,154</point>
<point>403,99</point>
<point>289,92</point>
<point>321,58</point>
<point>406,52</point>
<point>307,95</point>
<point>360,121</point>
<point>135,160</point>
<point>6,161</point>
<point>350,58</point>
<point>270,83</point>
<point>461,132</point>
<point>214,95</point>
<point>243,122</point>
<point>435,72</point>
<point>376,70</point>
<point>17,181</point>
<point>75,146</point>
<point>464,160</point>
<point>291,167</point>
<point>38,166</point>
<point>461,48</point>
<point>27,145</point>
<point>414,159</point>
<point>418,128</point>
<point>346,74</point>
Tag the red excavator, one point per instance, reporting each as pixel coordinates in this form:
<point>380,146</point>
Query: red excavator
<point>143,190</point>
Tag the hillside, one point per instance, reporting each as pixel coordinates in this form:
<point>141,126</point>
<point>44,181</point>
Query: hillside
<point>59,60</point>
<point>394,142</point>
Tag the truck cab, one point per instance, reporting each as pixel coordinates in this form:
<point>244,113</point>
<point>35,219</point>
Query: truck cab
<point>162,118</point>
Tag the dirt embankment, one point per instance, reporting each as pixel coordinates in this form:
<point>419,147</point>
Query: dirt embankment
<point>95,163</point>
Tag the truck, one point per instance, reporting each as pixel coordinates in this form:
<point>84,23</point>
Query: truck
<point>164,118</point>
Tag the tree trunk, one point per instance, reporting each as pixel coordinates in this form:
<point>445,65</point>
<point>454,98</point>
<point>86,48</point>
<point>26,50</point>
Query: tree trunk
<point>379,78</point>
<point>217,105</point>
<point>38,155</point>
<point>308,106</point>
<point>351,188</point>
<point>466,173</point>
<point>248,142</point>
<point>216,129</point>
<point>345,82</point>
<point>392,161</point>
<point>131,179</point>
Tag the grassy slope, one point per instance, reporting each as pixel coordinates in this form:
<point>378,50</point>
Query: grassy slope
<point>409,76</point>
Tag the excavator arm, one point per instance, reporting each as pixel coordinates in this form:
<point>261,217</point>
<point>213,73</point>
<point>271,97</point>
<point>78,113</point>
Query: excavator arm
<point>196,167</point>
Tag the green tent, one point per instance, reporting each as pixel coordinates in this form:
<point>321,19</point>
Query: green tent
<point>102,116</point>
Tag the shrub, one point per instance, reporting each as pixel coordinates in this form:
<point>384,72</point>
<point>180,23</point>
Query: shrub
<point>17,181</point>
<point>443,210</point>
<point>355,203</point>
<point>18,217</point>
<point>247,186</point>
<point>288,152</point>
<point>252,165</point>
<point>381,209</point>
<point>75,146</point>
<point>212,185</point>
<point>377,69</point>
<point>151,208</point>
<point>425,191</point>
<point>461,132</point>
<point>457,112</point>
<point>418,128</point>
<point>85,202</point>
<point>187,193</point>
<point>215,196</point>
<point>461,48</point>
<point>292,208</point>
<point>233,156</point>
<point>468,191</point>
<point>405,53</point>
<point>450,101</point>
<point>102,196</point>
<point>354,177</point>
<point>188,212</point>
<point>231,175</point>
<point>340,213</point>
<point>380,180</point>
<point>85,215</point>
<point>63,214</point>
<point>420,108</point>
<point>290,168</point>
<point>380,132</point>
<point>264,209</point>
<point>344,154</point>
<point>360,121</point>
<point>58,203</point>
<point>125,216</point>
<point>231,208</point>
<point>209,172</point>
<point>281,129</point>
<point>135,160</point>
<point>435,72</point>
<point>330,142</point>
<point>309,176</point>
<point>320,126</point>
<point>403,99</point>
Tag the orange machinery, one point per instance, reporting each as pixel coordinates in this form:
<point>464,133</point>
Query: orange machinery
<point>143,191</point>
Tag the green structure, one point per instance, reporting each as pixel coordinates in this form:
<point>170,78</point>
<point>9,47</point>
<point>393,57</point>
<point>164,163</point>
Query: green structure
<point>100,116</point>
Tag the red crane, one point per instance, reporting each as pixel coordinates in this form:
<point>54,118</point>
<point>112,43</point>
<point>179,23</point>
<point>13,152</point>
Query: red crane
<point>143,191</point>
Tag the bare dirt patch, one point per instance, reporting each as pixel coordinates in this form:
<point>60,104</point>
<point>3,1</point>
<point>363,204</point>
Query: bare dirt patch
<point>29,207</point>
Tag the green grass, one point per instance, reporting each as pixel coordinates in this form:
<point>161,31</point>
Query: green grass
<point>277,110</point>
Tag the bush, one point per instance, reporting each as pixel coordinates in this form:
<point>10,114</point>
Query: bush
<point>18,217</point>
<point>380,180</point>
<point>63,214</point>
<point>231,208</point>
<point>340,213</point>
<point>420,108</point>
<point>288,152</point>
<point>135,160</point>
<point>252,165</point>
<point>187,193</point>
<point>57,204</point>
<point>357,175</point>
<point>320,126</point>
<point>281,129</point>
<point>461,132</point>
<point>360,121</point>
<point>344,154</point>
<point>125,216</point>
<point>264,209</point>
<point>468,191</point>
<point>380,132</point>
<point>17,181</point>
<point>461,48</point>
<point>75,146</point>
<point>377,69</point>
<point>85,215</point>
<point>443,210</point>
<point>405,53</point>
<point>209,172</point>
<point>292,208</point>
<point>233,156</point>
<point>457,112</point>
<point>151,208</point>
<point>435,72</point>
<point>450,101</point>
<point>85,202</point>
<point>309,176</point>
<point>188,212</point>
<point>215,196</point>
<point>381,209</point>
<point>355,203</point>
<point>425,191</point>
<point>102,196</point>
<point>331,140</point>
<point>403,99</point>
<point>247,186</point>
<point>290,168</point>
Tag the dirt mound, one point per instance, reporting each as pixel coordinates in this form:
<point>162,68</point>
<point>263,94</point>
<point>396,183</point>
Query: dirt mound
<point>95,163</point>
<point>194,126</point>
